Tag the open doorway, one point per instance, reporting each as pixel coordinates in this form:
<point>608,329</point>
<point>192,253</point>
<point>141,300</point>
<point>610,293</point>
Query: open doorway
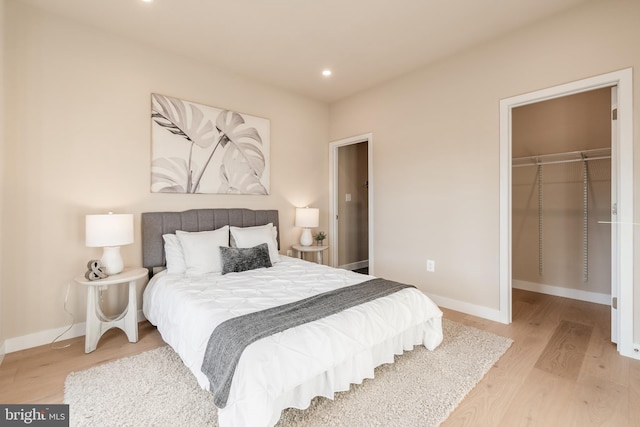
<point>622,197</point>
<point>562,196</point>
<point>353,207</point>
<point>350,240</point>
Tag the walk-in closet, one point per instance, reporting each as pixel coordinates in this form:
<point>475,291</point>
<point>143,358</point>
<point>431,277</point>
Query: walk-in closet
<point>561,200</point>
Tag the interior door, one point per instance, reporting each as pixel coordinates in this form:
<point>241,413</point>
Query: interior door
<point>615,267</point>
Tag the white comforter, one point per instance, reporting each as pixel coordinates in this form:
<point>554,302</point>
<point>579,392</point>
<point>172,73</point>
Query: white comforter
<point>289,368</point>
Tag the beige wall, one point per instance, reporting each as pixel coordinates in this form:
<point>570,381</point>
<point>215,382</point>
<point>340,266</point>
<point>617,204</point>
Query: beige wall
<point>353,228</point>
<point>78,126</point>
<point>571,123</point>
<point>437,145</point>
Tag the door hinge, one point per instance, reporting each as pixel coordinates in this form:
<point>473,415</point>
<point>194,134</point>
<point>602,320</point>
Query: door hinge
<point>614,114</point>
<point>614,303</point>
<point>614,209</point>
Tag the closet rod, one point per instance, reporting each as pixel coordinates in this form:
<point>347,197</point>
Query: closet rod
<point>548,159</point>
<point>562,161</point>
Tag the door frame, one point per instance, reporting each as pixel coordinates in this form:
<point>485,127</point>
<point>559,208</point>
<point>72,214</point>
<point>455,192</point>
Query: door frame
<point>615,326</point>
<point>622,154</point>
<point>333,194</point>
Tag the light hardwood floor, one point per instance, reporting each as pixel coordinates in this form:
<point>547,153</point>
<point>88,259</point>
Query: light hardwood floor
<point>562,369</point>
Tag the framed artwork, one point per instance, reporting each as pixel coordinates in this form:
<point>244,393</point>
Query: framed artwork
<point>200,149</point>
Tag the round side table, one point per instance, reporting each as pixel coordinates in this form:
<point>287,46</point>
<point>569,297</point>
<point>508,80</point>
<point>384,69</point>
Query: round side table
<point>319,251</point>
<point>97,322</point>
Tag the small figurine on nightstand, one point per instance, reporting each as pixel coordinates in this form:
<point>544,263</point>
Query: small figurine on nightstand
<point>319,237</point>
<point>95,270</point>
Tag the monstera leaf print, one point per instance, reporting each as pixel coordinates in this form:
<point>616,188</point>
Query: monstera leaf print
<point>169,173</point>
<point>173,115</point>
<point>243,162</point>
<point>192,142</point>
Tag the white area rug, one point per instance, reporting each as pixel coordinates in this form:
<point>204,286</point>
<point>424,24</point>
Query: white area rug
<point>420,389</point>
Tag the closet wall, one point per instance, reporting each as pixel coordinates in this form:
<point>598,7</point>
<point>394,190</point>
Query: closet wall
<point>573,123</point>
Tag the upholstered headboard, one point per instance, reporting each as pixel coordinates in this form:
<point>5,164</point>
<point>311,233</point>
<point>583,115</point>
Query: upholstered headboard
<point>155,224</point>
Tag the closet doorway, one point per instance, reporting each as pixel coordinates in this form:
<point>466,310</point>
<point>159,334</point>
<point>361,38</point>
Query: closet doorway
<point>351,225</point>
<point>561,196</point>
<point>621,208</point>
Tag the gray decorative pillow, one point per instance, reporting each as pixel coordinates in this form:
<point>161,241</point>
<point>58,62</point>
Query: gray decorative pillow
<point>243,259</point>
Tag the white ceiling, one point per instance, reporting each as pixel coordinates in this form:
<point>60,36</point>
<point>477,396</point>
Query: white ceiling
<point>288,42</point>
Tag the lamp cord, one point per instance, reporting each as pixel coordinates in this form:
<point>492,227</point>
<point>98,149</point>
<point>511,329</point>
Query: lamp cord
<point>66,299</point>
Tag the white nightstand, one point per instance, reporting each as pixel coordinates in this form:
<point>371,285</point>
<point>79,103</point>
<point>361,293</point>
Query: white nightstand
<point>319,251</point>
<point>97,323</point>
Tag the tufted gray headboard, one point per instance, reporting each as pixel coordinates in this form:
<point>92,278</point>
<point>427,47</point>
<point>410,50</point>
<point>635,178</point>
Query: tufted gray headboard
<point>155,224</point>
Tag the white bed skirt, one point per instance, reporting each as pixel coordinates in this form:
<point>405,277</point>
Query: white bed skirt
<point>352,371</point>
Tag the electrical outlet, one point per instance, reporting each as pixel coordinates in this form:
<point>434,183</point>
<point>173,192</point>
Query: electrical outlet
<point>431,265</point>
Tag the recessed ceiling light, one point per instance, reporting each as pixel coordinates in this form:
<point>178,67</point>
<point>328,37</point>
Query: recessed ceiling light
<point>147,1</point>
<point>326,73</point>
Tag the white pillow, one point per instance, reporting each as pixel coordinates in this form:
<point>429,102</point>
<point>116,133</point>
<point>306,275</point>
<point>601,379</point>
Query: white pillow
<point>202,249</point>
<point>248,237</point>
<point>270,226</point>
<point>174,254</point>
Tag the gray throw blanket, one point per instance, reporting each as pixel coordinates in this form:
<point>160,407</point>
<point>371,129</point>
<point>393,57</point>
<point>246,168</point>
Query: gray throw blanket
<point>229,339</point>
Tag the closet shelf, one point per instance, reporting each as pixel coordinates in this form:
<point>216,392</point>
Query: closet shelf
<point>567,157</point>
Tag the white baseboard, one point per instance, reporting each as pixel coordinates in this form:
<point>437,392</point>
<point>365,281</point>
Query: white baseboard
<point>467,308</point>
<point>37,339</point>
<point>559,291</point>
<point>355,265</point>
<point>2,351</point>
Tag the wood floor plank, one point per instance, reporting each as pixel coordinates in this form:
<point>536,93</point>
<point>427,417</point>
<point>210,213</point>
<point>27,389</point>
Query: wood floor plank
<point>541,315</point>
<point>564,354</point>
<point>486,404</point>
<point>542,400</point>
<point>634,391</point>
<point>40,372</point>
<point>602,359</point>
<point>598,402</point>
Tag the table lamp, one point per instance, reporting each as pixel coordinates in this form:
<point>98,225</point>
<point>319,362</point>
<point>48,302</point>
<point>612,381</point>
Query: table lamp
<point>307,218</point>
<point>109,231</point>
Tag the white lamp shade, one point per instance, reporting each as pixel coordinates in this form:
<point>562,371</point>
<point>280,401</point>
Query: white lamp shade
<point>108,230</point>
<point>307,217</point>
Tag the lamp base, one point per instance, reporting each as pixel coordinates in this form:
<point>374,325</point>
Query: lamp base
<point>111,260</point>
<point>306,239</point>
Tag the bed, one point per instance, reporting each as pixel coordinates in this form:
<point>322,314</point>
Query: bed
<point>188,303</point>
